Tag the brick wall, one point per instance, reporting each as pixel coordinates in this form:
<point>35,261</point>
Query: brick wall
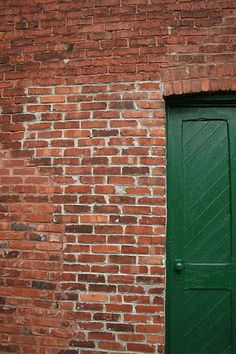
<point>83,207</point>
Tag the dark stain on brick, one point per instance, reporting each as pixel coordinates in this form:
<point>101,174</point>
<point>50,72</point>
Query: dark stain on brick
<point>89,307</point>
<point>19,226</point>
<point>120,327</point>
<point>9,199</point>
<point>11,254</point>
<point>81,343</point>
<point>71,297</point>
<point>9,348</point>
<point>3,208</point>
<point>84,229</point>
<point>76,208</point>
<point>26,331</point>
<point>91,278</point>
<point>54,258</point>
<point>69,47</point>
<point>122,105</point>
<point>2,300</point>
<point>102,288</point>
<point>7,310</point>
<point>43,285</point>
<point>106,317</point>
<point>39,8</point>
<point>36,237</point>
<point>105,132</point>
<point>4,60</point>
<point>3,244</point>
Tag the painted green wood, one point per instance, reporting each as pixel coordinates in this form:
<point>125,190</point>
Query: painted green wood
<point>204,336</point>
<point>206,191</point>
<point>201,242</point>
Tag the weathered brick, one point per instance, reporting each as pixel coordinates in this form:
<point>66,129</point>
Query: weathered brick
<point>83,198</point>
<point>120,327</point>
<point>43,285</point>
<point>87,229</point>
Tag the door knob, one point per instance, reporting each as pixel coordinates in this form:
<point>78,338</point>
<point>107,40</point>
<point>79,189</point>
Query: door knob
<point>179,266</point>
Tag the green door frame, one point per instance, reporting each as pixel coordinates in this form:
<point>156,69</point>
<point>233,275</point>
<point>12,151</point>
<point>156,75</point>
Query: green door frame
<point>204,100</point>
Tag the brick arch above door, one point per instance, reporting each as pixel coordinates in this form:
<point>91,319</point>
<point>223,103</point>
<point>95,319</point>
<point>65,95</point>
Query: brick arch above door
<point>198,78</point>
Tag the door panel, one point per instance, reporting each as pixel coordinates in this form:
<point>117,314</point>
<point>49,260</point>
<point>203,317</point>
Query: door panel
<point>201,243</point>
<point>209,314</point>
<point>206,192</point>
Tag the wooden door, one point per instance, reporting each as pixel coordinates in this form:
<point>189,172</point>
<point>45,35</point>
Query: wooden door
<point>201,244</point>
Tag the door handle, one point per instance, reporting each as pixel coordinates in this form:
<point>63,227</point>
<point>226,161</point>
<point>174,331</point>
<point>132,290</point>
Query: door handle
<point>179,266</point>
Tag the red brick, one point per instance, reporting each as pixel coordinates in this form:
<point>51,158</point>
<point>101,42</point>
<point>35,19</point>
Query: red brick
<point>105,249</point>
<point>94,297</point>
<point>93,218</point>
<point>83,198</point>
<point>143,348</point>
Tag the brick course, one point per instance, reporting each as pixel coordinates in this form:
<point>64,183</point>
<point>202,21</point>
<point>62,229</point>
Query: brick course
<point>83,168</point>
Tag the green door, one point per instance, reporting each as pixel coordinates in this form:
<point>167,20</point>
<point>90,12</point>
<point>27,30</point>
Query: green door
<point>201,244</point>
